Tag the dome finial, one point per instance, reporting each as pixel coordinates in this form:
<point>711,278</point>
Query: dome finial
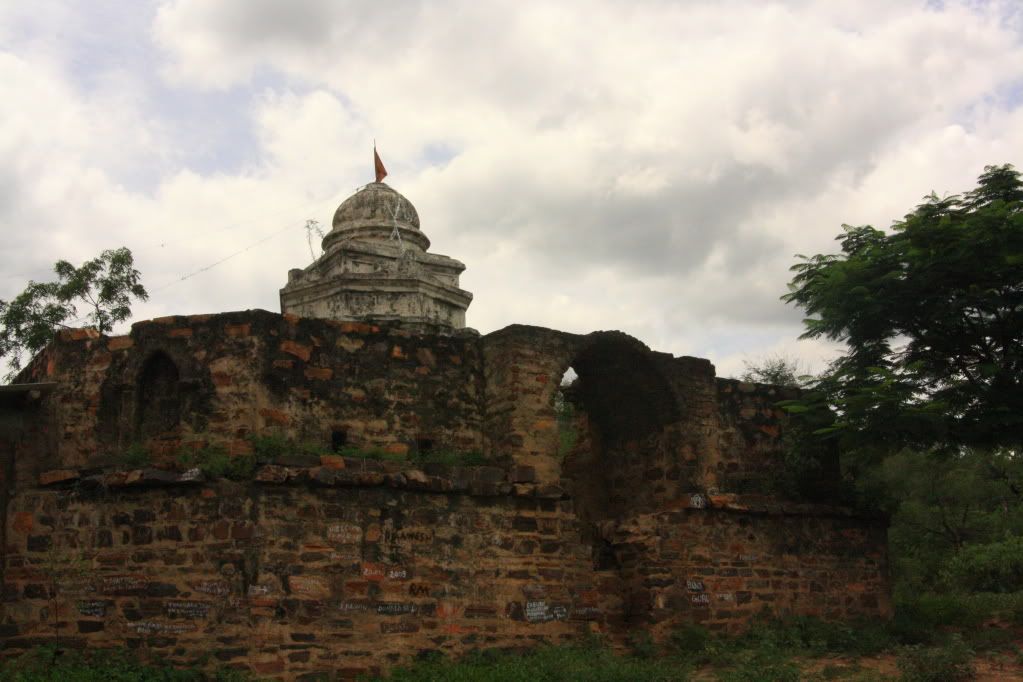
<point>378,165</point>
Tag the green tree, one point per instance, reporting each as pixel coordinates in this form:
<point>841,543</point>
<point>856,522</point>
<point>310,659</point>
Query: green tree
<point>932,317</point>
<point>777,370</point>
<point>103,287</point>
<point>949,516</point>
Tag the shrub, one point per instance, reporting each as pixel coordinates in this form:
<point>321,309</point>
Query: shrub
<point>642,644</point>
<point>449,458</point>
<point>543,664</point>
<point>370,453</point>
<point>134,457</point>
<point>991,567</point>
<point>215,462</point>
<point>267,447</point>
<point>688,639</point>
<point>50,664</point>
<point>948,663</point>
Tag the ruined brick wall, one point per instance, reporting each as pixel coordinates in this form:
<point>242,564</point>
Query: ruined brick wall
<point>255,372</point>
<point>649,419</point>
<point>354,564</point>
<point>724,560</point>
<point>752,431</point>
<point>324,570</point>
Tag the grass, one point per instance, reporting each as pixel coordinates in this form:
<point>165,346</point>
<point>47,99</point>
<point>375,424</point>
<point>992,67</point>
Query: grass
<point>772,650</point>
<point>134,457</point>
<point>49,664</point>
<point>215,461</point>
<point>442,457</point>
<point>579,663</point>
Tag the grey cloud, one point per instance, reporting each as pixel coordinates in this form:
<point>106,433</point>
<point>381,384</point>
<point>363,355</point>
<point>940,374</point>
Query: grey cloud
<point>650,167</point>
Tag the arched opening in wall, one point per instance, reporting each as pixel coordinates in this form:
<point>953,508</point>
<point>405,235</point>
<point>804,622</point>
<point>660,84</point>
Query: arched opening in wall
<point>567,414</point>
<point>620,404</point>
<point>158,410</point>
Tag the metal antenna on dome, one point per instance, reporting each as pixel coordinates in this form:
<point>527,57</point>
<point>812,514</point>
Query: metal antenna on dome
<point>395,233</point>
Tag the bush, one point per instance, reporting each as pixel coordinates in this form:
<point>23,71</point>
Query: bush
<point>49,664</point>
<point>370,453</point>
<point>543,664</point>
<point>688,640</point>
<point>642,645</point>
<point>215,462</point>
<point>991,567</point>
<point>135,457</point>
<point>947,663</point>
<point>272,447</point>
<point>449,458</point>
<point>927,618</point>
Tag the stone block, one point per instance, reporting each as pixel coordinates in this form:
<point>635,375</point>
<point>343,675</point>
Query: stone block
<point>120,343</point>
<point>318,373</point>
<point>58,476</point>
<point>299,350</point>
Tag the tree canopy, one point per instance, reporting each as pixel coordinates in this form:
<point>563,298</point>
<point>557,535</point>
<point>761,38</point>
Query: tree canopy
<point>932,317</point>
<point>778,370</point>
<point>103,287</point>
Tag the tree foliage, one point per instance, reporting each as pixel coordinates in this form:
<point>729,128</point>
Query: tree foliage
<point>932,316</point>
<point>103,287</point>
<point>955,520</point>
<point>777,370</point>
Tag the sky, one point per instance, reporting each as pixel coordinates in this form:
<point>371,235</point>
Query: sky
<point>648,166</point>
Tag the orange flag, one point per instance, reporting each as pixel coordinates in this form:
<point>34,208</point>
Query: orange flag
<point>378,165</point>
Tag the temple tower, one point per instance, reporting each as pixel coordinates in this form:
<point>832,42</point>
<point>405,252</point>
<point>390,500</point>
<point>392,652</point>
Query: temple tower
<point>375,268</point>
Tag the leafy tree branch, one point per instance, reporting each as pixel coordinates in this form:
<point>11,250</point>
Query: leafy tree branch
<point>104,286</point>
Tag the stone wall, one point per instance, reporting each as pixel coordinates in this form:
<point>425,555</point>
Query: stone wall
<point>307,570</point>
<point>232,375</point>
<point>751,432</point>
<point>722,561</point>
<point>354,566</point>
<point>659,510</point>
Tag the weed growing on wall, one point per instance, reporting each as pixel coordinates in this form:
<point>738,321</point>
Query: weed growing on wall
<point>216,462</point>
<point>272,447</point>
<point>449,458</point>
<point>135,456</point>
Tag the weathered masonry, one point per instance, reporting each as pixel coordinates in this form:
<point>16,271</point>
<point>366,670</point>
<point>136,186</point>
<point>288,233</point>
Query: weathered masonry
<point>649,516</point>
<point>635,497</point>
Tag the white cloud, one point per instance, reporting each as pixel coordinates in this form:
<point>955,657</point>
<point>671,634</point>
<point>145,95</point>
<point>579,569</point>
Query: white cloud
<point>649,166</point>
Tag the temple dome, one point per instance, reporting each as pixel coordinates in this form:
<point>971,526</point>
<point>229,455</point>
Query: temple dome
<point>376,204</point>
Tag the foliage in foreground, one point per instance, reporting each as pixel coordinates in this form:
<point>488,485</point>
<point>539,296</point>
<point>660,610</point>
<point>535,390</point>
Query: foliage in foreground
<point>544,664</point>
<point>48,664</point>
<point>956,520</point>
<point>776,650</point>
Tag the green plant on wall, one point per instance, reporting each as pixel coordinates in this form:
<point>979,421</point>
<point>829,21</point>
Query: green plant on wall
<point>215,461</point>
<point>134,456</point>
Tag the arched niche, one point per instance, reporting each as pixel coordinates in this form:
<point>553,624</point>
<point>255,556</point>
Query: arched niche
<point>615,412</point>
<point>158,397</point>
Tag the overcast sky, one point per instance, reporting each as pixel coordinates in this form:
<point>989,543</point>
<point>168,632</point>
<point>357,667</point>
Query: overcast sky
<point>648,166</point>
